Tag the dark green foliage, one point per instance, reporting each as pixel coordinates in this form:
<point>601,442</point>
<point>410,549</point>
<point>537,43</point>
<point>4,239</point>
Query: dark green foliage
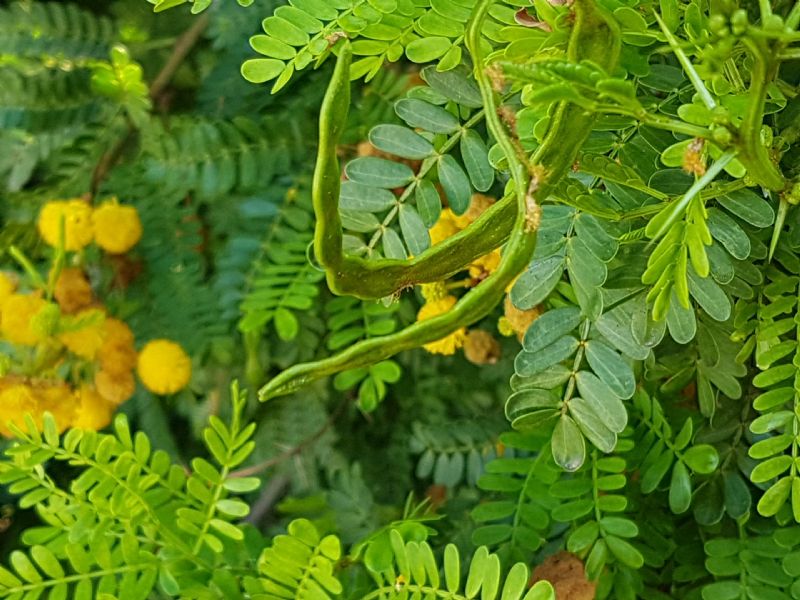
<point>647,422</point>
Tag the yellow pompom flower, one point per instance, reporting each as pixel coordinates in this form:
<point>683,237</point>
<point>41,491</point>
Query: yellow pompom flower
<point>117,228</point>
<point>438,303</point>
<point>93,411</point>
<point>447,226</point>
<point>164,367</point>
<point>8,286</point>
<point>73,291</point>
<point>87,340</point>
<point>480,348</point>
<point>16,400</point>
<point>115,387</point>
<point>59,400</point>
<point>485,265</point>
<point>117,355</point>
<point>516,321</point>
<point>77,217</point>
<point>16,320</point>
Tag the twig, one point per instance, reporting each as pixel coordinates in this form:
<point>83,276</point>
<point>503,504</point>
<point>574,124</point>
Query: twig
<point>267,499</point>
<point>180,50</point>
<point>183,45</point>
<point>309,441</point>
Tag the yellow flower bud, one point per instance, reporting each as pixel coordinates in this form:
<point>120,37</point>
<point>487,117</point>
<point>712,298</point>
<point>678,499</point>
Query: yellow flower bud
<point>164,367</point>
<point>77,217</point>
<point>434,307</point>
<point>93,412</point>
<point>117,228</point>
<point>16,324</point>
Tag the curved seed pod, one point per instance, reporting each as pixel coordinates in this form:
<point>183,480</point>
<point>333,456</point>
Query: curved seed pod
<point>594,35</point>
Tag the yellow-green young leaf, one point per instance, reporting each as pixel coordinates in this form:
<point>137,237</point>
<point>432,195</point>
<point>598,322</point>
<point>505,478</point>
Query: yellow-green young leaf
<point>286,324</point>
<point>541,590</point>
<point>452,568</point>
<point>427,49</point>
<point>491,578</point>
<point>227,529</point>
<point>624,552</point>
<point>24,567</point>
<point>478,566</point>
<point>597,559</point>
<point>233,508</point>
<point>263,44</point>
<point>47,562</point>
<point>796,498</point>
<point>771,468</point>
<point>242,485</point>
<point>775,497</point>
<point>259,70</point>
<point>330,547</point>
<point>400,556</point>
<point>162,5</point>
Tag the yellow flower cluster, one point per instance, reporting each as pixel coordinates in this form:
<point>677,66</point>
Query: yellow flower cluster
<point>516,321</point>
<point>76,331</point>
<point>74,335</point>
<point>113,227</point>
<point>438,302</point>
<point>479,348</point>
<point>82,408</point>
<point>74,328</point>
<point>450,224</point>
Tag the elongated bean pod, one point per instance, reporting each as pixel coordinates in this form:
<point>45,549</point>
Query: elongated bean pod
<point>354,276</point>
<point>594,36</point>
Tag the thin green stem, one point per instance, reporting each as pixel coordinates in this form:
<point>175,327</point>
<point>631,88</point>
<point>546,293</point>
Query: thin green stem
<point>688,67</point>
<point>793,20</point>
<point>657,228</point>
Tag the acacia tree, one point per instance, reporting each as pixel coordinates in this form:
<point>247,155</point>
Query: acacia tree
<point>613,179</point>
